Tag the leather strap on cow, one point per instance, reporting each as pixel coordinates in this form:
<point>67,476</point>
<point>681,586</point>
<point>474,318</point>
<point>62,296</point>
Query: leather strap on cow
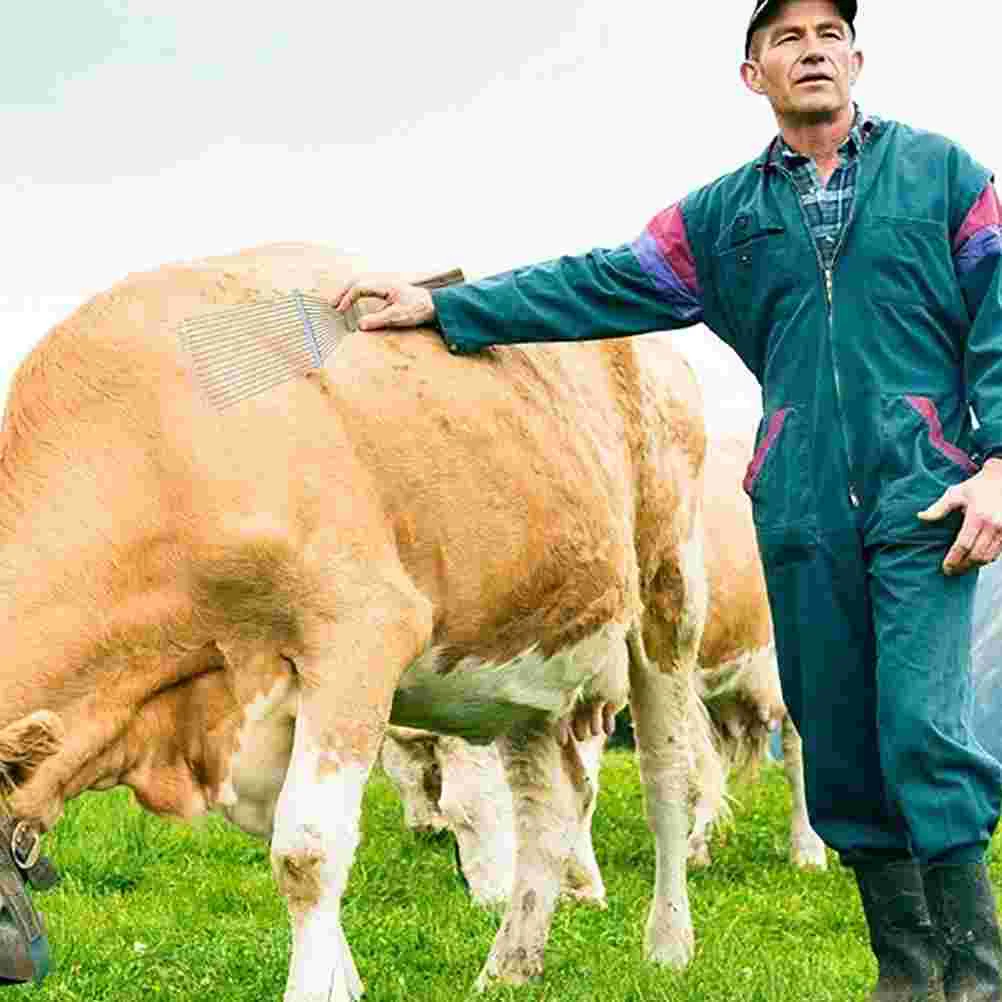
<point>24,946</point>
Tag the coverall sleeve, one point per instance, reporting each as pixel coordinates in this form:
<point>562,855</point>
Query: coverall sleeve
<point>647,285</point>
<point>977,256</point>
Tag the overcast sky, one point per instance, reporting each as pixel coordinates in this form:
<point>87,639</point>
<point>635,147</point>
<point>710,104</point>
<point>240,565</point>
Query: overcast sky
<point>421,135</point>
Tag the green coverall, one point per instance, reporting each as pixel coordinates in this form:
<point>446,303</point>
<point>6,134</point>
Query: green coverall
<point>870,372</point>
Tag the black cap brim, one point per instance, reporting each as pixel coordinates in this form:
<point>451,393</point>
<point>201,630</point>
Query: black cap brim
<point>765,9</point>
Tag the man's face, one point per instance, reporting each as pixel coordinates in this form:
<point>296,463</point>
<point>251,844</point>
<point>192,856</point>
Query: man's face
<point>804,62</point>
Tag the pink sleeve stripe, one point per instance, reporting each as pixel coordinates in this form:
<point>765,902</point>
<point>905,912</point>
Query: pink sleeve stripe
<point>986,212</point>
<point>668,230</point>
<point>775,426</point>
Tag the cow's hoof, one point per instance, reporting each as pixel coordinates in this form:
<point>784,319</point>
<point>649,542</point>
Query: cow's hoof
<point>511,965</point>
<point>591,896</point>
<point>513,975</point>
<point>336,994</point>
<point>699,854</point>
<point>671,947</point>
<point>342,990</point>
<point>583,883</point>
<point>808,853</point>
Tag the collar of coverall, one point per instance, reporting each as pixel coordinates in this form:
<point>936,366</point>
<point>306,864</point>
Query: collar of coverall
<point>864,128</point>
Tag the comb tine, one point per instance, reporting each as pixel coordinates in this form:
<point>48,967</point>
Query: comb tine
<point>242,344</point>
<point>225,377</point>
<point>250,386</point>
<point>240,315</point>
<point>240,351</point>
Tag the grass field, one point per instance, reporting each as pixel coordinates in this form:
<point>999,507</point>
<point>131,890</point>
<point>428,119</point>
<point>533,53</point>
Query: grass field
<point>153,909</point>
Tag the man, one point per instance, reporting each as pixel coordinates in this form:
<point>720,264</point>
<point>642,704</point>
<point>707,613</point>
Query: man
<point>856,268</point>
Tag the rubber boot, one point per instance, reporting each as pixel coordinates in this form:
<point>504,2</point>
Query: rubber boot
<point>24,946</point>
<point>902,935</point>
<point>21,959</point>
<point>962,906</point>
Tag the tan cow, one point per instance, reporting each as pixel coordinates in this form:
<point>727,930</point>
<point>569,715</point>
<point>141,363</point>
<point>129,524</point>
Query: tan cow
<point>446,783</point>
<point>223,610</point>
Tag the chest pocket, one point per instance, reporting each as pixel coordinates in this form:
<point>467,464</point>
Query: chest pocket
<point>753,268</point>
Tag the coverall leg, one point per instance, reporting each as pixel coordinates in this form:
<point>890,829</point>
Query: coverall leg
<point>938,778</point>
<point>874,655</point>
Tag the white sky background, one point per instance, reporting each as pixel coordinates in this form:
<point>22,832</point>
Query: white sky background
<point>421,136</point>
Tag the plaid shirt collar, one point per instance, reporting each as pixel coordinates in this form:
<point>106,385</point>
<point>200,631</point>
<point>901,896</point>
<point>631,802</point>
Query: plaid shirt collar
<point>780,154</point>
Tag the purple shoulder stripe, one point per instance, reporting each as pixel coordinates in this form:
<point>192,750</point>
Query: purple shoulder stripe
<point>664,253</point>
<point>980,235</point>
<point>688,306</point>
<point>985,243</point>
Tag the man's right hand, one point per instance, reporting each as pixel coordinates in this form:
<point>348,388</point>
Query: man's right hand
<point>406,305</point>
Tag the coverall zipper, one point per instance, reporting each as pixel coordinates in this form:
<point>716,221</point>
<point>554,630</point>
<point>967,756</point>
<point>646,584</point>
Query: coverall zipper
<point>827,274</point>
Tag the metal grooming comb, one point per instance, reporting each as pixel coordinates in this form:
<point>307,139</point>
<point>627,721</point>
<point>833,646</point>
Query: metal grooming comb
<point>241,351</point>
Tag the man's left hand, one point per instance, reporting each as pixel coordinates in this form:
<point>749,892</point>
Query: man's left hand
<point>979,541</point>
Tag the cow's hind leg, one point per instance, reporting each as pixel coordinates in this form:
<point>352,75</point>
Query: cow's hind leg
<point>551,794</point>
<point>582,877</point>
<point>807,851</point>
<point>662,662</point>
<point>348,671</point>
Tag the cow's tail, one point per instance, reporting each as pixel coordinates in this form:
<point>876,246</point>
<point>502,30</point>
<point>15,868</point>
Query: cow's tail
<point>708,782</point>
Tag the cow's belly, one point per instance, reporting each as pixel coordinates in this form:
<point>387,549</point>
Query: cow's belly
<point>479,699</point>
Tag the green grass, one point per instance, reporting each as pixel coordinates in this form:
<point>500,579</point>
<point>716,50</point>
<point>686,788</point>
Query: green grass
<point>152,909</point>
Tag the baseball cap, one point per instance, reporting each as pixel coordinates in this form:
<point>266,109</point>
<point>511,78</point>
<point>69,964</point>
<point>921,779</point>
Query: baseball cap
<point>765,9</point>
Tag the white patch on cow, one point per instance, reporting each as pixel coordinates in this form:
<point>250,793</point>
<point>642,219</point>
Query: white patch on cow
<point>478,700</point>
<point>316,834</point>
<point>696,592</point>
<point>249,792</point>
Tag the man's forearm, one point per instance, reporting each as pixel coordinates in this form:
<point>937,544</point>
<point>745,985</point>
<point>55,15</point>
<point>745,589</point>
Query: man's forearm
<point>605,293</point>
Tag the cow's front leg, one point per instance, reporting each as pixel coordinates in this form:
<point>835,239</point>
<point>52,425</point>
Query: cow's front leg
<point>807,851</point>
<point>316,833</point>
<point>551,793</point>
<point>347,681</point>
